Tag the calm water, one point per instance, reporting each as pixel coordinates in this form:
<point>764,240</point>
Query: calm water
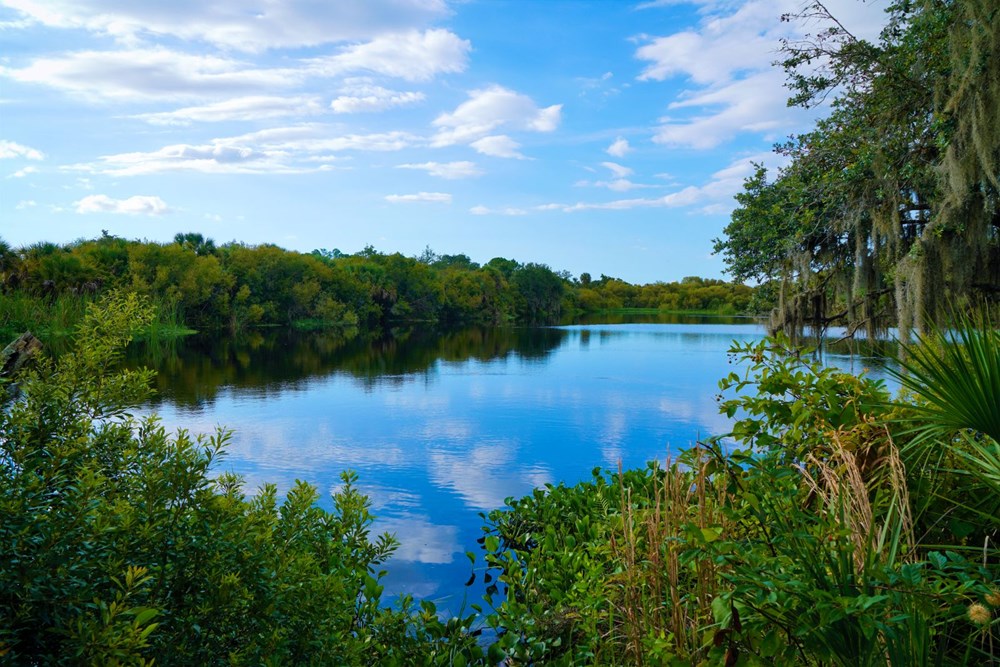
<point>443,427</point>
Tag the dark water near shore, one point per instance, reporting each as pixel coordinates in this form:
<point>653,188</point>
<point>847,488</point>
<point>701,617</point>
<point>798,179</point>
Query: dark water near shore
<point>443,426</point>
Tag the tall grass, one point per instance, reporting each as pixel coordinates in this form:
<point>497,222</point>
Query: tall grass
<point>54,316</point>
<point>60,315</point>
<point>660,598</point>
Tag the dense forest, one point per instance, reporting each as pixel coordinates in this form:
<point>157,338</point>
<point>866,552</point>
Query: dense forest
<point>888,211</point>
<point>198,284</point>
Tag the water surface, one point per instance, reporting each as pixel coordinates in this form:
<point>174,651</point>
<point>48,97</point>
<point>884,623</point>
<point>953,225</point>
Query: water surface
<point>441,427</point>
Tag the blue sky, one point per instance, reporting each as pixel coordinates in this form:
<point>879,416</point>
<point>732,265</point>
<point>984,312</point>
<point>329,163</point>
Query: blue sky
<point>592,135</point>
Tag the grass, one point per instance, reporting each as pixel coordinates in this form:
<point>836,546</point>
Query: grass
<point>59,316</point>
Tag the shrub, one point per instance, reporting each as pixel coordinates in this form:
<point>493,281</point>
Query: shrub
<point>118,545</point>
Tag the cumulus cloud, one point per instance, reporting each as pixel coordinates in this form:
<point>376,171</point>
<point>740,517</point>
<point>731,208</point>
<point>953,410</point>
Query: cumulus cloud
<point>507,210</point>
<point>483,474</point>
<point>283,150</point>
<point>718,191</point>
<point>26,204</point>
<point>449,170</point>
<point>619,148</point>
<point>498,146</point>
<point>10,150</point>
<point>616,184</point>
<point>251,107</point>
<point>136,205</point>
<point>363,95</point>
<point>619,181</point>
<point>151,74</point>
<point>245,25</point>
<point>489,109</point>
<point>421,540</point>
<point>728,110</point>
<point>728,60</point>
<point>412,56</point>
<point>435,197</point>
<point>714,196</point>
<point>21,173</point>
<point>159,73</point>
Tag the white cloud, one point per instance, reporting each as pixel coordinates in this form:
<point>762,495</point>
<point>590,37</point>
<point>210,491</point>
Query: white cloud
<point>26,204</point>
<point>489,109</point>
<point>150,74</point>
<point>716,52</point>
<point>483,474</point>
<point>436,197</point>
<point>728,58</point>
<point>282,150</point>
<point>498,146</point>
<point>136,205</point>
<point>717,192</point>
<point>619,148</point>
<point>412,56</point>
<point>741,108</point>
<point>714,196</point>
<point>449,170</point>
<point>619,182</point>
<point>21,173</point>
<point>616,184</point>
<point>618,170</point>
<point>251,107</point>
<point>206,158</point>
<point>10,150</point>
<point>159,73</point>
<point>362,95</point>
<point>246,25</point>
<point>508,210</point>
<point>317,138</point>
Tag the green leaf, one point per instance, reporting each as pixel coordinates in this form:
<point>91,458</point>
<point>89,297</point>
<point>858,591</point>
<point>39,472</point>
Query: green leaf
<point>145,615</point>
<point>711,534</point>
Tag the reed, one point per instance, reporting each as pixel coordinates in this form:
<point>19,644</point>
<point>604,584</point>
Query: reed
<point>667,585</point>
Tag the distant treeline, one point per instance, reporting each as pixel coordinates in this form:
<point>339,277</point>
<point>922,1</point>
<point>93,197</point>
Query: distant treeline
<point>200,284</point>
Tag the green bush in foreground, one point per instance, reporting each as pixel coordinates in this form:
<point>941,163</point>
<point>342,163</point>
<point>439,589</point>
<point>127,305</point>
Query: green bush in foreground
<point>117,545</point>
<point>802,547</point>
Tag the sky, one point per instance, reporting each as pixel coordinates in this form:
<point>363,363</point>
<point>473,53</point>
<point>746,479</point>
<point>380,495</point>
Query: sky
<point>600,136</point>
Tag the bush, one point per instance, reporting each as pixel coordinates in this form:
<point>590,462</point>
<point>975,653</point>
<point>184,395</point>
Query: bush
<point>119,546</point>
<point>792,541</point>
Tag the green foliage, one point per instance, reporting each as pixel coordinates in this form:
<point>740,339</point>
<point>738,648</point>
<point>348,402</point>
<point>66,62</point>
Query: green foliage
<point>195,283</point>
<point>119,545</point>
<point>957,374</point>
<point>806,535</point>
<point>887,210</point>
<point>760,232</point>
<point>790,541</point>
<point>791,404</point>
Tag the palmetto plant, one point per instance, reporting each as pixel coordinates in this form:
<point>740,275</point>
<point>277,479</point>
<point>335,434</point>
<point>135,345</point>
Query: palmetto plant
<point>956,375</point>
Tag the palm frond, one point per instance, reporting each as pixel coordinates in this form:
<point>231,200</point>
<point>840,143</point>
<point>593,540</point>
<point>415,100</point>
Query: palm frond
<point>956,373</point>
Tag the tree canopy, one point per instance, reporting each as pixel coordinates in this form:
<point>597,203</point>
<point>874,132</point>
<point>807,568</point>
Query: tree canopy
<point>888,211</point>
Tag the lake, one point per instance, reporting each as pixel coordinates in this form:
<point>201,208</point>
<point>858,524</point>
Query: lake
<point>443,426</point>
